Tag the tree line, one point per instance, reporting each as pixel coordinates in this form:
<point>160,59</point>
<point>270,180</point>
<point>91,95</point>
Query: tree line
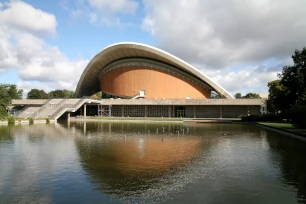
<point>41,94</point>
<point>248,95</point>
<point>8,92</point>
<point>287,94</point>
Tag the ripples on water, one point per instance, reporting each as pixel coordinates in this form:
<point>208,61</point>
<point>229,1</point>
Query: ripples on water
<point>97,162</point>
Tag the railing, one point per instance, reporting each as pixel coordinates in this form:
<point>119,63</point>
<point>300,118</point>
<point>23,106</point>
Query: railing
<point>57,112</point>
<point>34,115</point>
<point>79,102</point>
<point>17,113</point>
<point>64,108</point>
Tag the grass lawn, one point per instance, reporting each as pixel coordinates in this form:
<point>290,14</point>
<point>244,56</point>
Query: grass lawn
<point>278,125</point>
<point>288,126</point>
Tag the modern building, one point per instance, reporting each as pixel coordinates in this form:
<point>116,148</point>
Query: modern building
<point>129,70</point>
<point>138,80</point>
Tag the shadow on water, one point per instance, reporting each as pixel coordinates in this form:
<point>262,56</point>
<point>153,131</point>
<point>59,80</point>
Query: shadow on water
<point>290,156</point>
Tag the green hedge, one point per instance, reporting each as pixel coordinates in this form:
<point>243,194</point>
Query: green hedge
<point>297,115</point>
<point>11,120</point>
<point>3,112</point>
<point>264,118</point>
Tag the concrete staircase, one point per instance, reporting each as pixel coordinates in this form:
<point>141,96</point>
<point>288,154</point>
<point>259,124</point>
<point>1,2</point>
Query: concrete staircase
<point>53,108</point>
<point>27,112</point>
<point>70,106</point>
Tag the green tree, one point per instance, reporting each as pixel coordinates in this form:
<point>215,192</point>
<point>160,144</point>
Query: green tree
<point>293,78</point>
<point>9,92</point>
<point>277,98</point>
<point>251,95</point>
<point>238,95</point>
<point>97,95</point>
<point>61,94</point>
<point>37,94</point>
<point>288,94</point>
<point>248,95</point>
<point>3,111</point>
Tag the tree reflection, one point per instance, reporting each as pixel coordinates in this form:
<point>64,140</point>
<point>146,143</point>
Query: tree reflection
<point>6,134</point>
<point>293,170</point>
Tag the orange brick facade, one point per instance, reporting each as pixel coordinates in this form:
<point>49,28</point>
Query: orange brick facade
<point>127,81</point>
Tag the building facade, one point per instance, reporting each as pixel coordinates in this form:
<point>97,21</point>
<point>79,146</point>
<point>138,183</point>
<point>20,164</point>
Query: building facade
<point>142,81</point>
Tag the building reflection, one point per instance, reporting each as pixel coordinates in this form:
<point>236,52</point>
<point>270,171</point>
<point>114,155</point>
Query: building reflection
<point>123,158</point>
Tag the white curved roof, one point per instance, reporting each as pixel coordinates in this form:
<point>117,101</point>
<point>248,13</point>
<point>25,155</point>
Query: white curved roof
<point>89,81</point>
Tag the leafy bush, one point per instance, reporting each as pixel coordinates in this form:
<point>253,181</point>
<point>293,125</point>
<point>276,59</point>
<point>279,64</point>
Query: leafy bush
<point>264,118</point>
<point>3,112</point>
<point>31,120</point>
<point>11,120</point>
<point>297,115</point>
<point>47,120</point>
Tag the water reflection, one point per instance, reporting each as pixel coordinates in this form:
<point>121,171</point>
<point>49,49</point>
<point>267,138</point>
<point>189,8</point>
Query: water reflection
<point>127,158</point>
<point>102,162</point>
<point>290,156</point>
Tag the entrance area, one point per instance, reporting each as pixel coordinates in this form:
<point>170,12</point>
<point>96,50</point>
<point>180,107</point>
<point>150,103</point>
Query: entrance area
<point>179,111</point>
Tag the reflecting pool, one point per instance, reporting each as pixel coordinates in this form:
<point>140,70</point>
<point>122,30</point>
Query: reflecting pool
<point>112,162</point>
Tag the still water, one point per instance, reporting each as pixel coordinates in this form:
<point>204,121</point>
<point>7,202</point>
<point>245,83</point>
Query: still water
<point>101,162</point>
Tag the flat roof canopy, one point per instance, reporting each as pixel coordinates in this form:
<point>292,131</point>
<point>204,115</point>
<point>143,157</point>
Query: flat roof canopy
<point>89,82</point>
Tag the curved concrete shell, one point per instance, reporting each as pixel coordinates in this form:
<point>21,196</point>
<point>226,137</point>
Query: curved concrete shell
<point>123,69</point>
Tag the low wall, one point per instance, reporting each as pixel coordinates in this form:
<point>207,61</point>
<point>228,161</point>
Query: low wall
<point>29,102</point>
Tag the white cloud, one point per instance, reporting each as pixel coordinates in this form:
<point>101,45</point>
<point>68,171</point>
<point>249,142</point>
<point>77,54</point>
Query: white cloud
<point>222,35</point>
<point>38,63</point>
<point>117,6</point>
<point>101,12</point>
<point>219,34</point>
<point>21,15</point>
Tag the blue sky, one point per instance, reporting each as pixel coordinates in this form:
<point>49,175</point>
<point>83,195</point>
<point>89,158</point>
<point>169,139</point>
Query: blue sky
<point>240,45</point>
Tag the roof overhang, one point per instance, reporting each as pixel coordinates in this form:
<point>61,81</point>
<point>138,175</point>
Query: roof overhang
<point>89,82</point>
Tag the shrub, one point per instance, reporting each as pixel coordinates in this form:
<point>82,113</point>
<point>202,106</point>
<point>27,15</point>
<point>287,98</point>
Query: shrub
<point>265,118</point>
<point>47,120</point>
<point>297,115</point>
<point>3,112</point>
<point>11,120</point>
<point>31,120</point>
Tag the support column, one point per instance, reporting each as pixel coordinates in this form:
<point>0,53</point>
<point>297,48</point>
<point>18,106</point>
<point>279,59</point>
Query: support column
<point>68,117</point>
<point>110,110</point>
<point>110,128</point>
<point>122,110</point>
<point>146,111</point>
<point>84,110</point>
<point>221,111</point>
<point>84,127</point>
<point>194,111</point>
<point>173,113</point>
<point>169,111</point>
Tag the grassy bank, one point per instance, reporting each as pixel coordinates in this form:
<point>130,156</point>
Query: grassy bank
<point>286,126</point>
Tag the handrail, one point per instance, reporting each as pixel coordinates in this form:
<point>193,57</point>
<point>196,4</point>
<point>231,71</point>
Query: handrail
<point>17,113</point>
<point>34,115</point>
<point>63,109</point>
